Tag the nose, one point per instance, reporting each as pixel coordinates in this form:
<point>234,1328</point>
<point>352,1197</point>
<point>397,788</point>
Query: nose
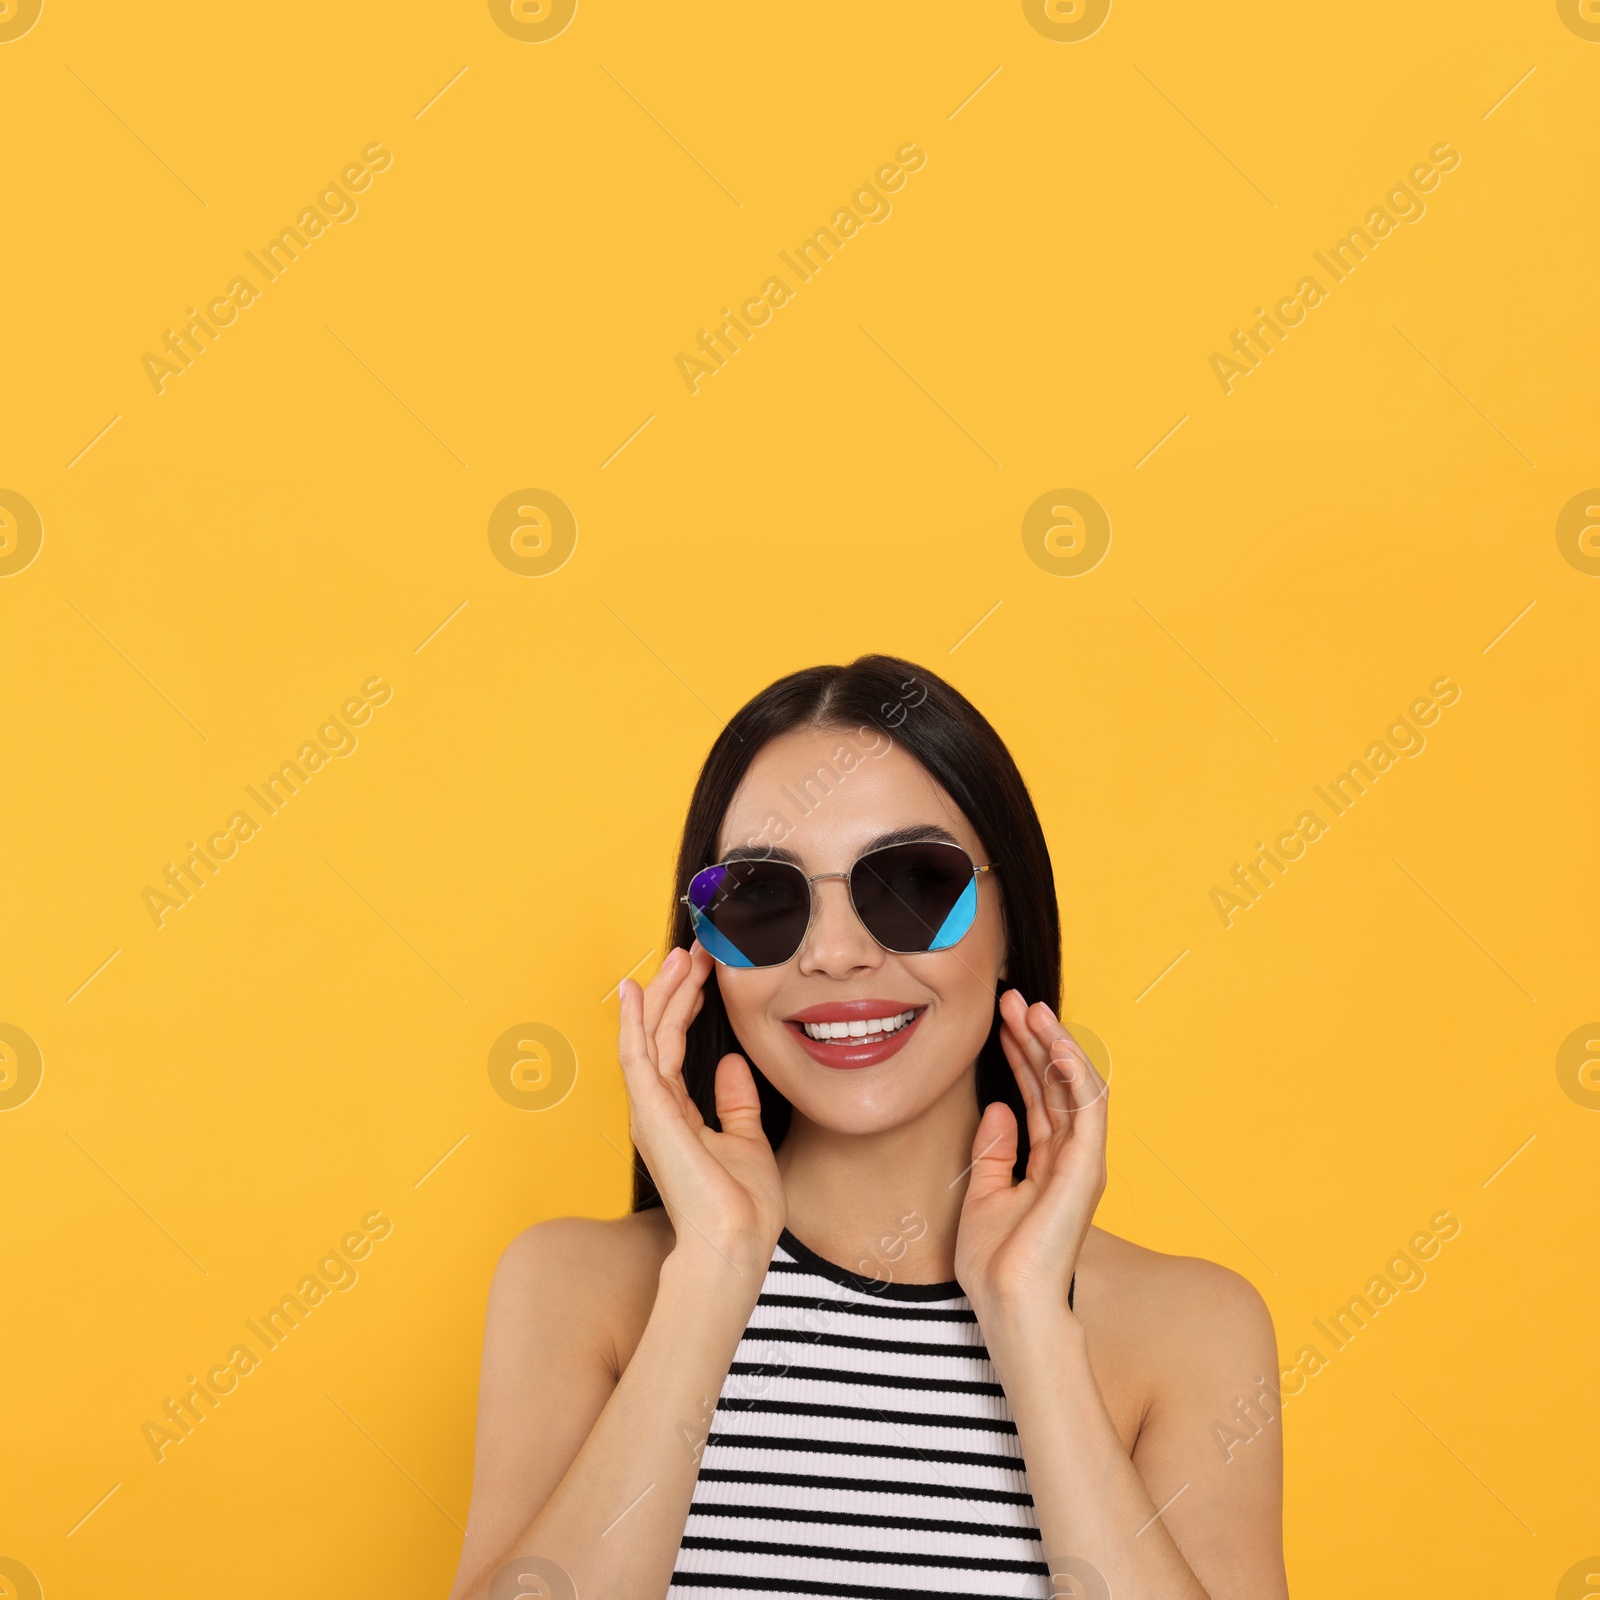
<point>837,945</point>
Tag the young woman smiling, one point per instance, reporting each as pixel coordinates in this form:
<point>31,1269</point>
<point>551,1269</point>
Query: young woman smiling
<point>851,1052</point>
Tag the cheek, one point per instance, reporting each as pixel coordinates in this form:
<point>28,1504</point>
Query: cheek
<point>988,940</point>
<point>970,973</point>
<point>746,997</point>
<point>964,981</point>
<point>965,978</point>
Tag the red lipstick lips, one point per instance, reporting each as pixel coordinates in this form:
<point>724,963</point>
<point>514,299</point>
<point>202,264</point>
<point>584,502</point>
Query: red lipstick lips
<point>858,1047</point>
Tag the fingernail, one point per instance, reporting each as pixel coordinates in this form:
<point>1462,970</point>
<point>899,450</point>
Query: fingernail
<point>1048,1012</point>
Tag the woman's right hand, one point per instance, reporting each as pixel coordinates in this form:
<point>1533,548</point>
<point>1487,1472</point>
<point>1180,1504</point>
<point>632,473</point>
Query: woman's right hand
<point>722,1191</point>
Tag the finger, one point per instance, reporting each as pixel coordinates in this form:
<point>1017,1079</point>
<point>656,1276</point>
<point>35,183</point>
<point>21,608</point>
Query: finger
<point>1050,1036</point>
<point>1083,1154</point>
<point>1075,1074</point>
<point>630,1033</point>
<point>1079,1095</point>
<point>1013,1009</point>
<point>661,989</point>
<point>1047,1028</point>
<point>1063,1073</point>
<point>1035,1029</point>
<point>646,1091</point>
<point>1028,1082</point>
<point>1066,1205</point>
<point>994,1152</point>
<point>1022,1018</point>
<point>672,1029</point>
<point>738,1101</point>
<point>665,1124</point>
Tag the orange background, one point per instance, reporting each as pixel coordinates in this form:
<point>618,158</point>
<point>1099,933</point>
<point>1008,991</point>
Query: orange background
<point>307,506</point>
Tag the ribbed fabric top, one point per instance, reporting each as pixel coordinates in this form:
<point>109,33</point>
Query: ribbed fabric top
<point>861,1447</point>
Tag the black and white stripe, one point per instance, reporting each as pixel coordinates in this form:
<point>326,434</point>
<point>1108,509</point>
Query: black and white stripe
<point>861,1449</point>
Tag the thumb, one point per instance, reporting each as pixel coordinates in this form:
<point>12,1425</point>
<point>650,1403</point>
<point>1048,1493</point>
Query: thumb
<point>994,1151</point>
<point>738,1103</point>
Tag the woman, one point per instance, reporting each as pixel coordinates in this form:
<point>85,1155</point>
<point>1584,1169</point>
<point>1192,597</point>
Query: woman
<point>851,1055</point>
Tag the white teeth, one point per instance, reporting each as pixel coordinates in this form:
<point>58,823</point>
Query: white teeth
<point>859,1029</point>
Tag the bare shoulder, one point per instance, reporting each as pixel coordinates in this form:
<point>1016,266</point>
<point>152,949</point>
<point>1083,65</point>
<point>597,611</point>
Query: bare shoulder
<point>1187,1362</point>
<point>590,1248</point>
<point>1164,1296</point>
<point>1165,1324</point>
<point>601,1275</point>
<point>569,1303</point>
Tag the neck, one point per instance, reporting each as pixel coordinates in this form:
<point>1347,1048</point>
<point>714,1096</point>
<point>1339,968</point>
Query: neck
<point>883,1204</point>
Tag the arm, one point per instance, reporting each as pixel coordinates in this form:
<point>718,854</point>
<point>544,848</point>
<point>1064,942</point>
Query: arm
<point>1216,1426</point>
<point>566,1448</point>
<point>1204,1333</point>
<point>1218,1532</point>
<point>583,1474</point>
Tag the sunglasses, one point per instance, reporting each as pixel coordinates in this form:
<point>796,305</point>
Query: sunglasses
<point>912,898</point>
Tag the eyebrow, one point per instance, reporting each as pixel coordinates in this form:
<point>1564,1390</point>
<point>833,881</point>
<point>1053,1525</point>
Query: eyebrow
<point>920,833</point>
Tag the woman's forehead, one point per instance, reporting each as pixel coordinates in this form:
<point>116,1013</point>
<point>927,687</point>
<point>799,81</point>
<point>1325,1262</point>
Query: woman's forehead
<point>816,794</point>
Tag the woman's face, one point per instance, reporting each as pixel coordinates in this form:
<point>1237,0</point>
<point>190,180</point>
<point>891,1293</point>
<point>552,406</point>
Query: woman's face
<point>823,797</point>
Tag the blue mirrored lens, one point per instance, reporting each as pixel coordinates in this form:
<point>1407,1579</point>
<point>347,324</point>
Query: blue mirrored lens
<point>750,913</point>
<point>720,948</point>
<point>960,919</point>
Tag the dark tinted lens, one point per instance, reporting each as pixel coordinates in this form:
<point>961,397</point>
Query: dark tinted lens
<point>913,897</point>
<point>751,913</point>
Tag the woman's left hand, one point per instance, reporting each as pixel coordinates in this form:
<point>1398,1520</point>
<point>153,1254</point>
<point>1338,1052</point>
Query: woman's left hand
<point>1017,1244</point>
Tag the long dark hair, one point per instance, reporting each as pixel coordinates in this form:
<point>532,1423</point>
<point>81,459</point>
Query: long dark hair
<point>954,742</point>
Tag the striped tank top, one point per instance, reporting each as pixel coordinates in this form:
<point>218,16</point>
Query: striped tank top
<point>861,1447</point>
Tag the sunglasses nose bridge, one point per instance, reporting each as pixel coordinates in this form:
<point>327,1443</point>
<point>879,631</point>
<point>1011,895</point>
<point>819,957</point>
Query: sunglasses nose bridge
<point>817,902</point>
<point>828,940</point>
